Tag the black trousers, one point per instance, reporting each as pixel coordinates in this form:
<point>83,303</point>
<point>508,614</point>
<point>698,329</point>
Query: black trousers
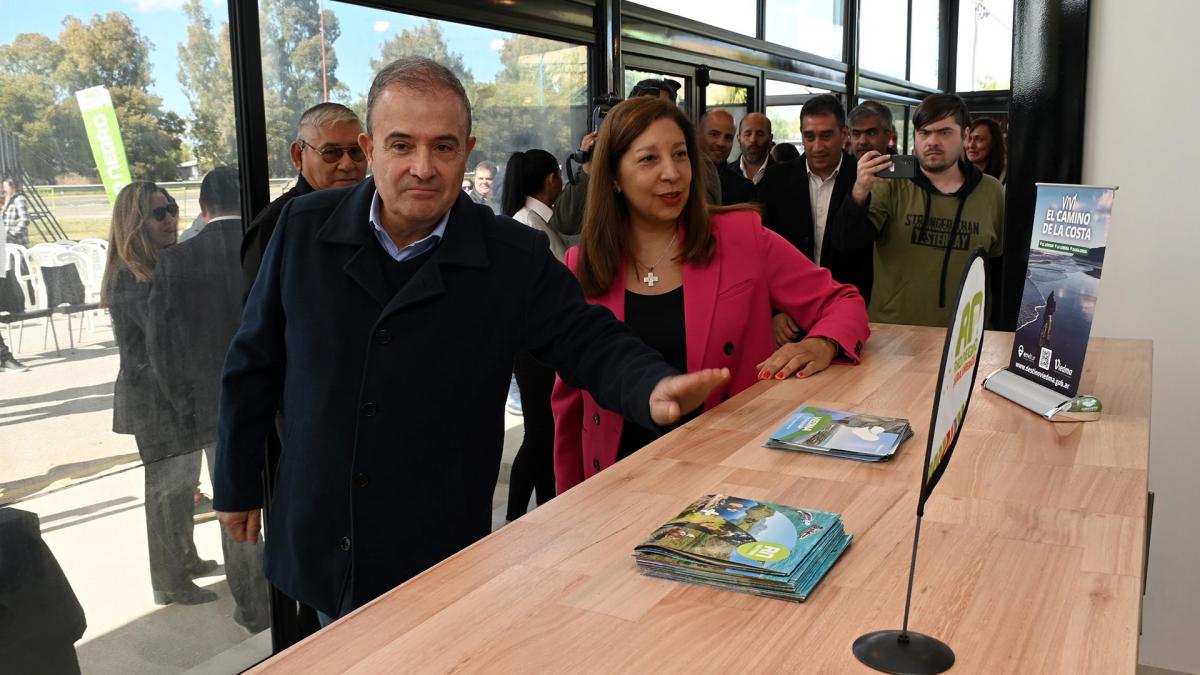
<point>5,354</point>
<point>533,467</point>
<point>170,503</point>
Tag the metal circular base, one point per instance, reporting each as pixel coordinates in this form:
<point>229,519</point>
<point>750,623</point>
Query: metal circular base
<point>892,651</point>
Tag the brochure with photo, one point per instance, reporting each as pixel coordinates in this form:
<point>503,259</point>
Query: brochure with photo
<point>840,433</point>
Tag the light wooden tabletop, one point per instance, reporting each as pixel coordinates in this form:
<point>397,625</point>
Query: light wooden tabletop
<point>1030,558</point>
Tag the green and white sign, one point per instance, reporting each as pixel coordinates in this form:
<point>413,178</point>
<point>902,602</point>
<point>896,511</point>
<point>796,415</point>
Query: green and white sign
<point>100,120</point>
<point>960,364</point>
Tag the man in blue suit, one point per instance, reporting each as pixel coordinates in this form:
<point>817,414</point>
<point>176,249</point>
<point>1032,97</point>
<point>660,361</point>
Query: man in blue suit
<point>383,323</point>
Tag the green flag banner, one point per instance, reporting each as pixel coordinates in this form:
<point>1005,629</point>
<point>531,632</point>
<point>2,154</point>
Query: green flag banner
<point>100,120</point>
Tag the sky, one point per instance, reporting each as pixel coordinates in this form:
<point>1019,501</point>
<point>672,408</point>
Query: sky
<point>162,21</point>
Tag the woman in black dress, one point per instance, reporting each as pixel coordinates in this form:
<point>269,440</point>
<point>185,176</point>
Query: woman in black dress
<point>146,220</point>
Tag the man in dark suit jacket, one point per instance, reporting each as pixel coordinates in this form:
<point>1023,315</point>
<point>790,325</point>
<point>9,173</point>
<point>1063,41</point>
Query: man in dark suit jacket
<point>195,307</point>
<point>800,198</point>
<point>326,155</point>
<point>715,135</point>
<point>385,318</point>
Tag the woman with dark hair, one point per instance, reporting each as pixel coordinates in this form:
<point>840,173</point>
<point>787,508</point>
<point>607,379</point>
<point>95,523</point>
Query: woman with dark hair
<point>532,182</point>
<point>694,281</point>
<point>985,148</point>
<point>146,220</point>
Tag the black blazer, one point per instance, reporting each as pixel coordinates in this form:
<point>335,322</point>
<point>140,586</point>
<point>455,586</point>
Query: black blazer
<point>140,404</point>
<point>195,307</point>
<point>393,406</point>
<point>258,235</point>
<point>783,193</point>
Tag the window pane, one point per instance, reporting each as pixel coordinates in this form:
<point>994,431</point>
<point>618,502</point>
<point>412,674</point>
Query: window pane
<point>984,45</point>
<point>882,36</point>
<point>785,123</point>
<point>526,92</point>
<point>814,26</point>
<point>102,529</point>
<point>735,15</point>
<point>728,97</point>
<point>926,29</point>
<point>632,77</point>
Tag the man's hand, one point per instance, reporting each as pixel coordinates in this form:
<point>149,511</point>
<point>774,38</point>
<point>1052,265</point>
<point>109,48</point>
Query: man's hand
<point>871,163</point>
<point>586,144</point>
<point>808,356</point>
<point>674,396</point>
<point>785,329</point>
<point>241,525</point>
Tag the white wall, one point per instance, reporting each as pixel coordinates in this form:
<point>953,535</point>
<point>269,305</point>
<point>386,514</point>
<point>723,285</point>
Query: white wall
<point>1141,132</point>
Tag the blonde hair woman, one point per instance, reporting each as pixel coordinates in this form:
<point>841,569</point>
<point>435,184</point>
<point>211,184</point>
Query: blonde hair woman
<point>145,221</point>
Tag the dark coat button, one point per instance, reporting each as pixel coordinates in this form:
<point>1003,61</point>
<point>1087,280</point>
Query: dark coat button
<point>725,396</point>
<point>361,480</point>
<point>369,409</point>
<point>858,348</point>
<point>728,348</point>
<point>383,336</point>
<point>596,418</point>
<point>345,545</point>
<point>596,464</point>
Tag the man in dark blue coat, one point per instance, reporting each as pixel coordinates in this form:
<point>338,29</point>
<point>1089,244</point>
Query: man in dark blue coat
<point>383,323</point>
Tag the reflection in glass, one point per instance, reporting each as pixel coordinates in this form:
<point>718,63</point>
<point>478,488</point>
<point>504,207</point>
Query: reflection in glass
<point>632,77</point>
<point>984,45</point>
<point>526,92</point>
<point>735,15</point>
<point>882,36</point>
<point>124,528</point>
<point>814,26</point>
<point>926,28</point>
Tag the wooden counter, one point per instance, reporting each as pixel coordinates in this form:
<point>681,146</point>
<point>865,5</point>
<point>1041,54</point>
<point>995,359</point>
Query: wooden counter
<point>1030,561</point>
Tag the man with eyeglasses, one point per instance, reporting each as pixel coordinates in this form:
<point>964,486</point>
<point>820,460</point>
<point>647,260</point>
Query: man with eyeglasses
<point>923,228</point>
<point>327,155</point>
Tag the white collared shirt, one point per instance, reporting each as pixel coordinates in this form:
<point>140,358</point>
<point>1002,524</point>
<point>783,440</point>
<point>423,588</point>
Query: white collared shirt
<point>820,193</point>
<point>537,215</point>
<point>412,250</point>
<point>757,174</point>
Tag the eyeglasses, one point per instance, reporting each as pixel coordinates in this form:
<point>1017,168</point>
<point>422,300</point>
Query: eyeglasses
<point>161,212</point>
<point>332,154</point>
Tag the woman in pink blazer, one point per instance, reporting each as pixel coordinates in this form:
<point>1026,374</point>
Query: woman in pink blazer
<point>696,282</point>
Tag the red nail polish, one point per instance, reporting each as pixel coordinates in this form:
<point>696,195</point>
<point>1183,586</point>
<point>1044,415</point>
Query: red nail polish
<point>780,376</point>
<point>801,374</point>
<point>764,375</point>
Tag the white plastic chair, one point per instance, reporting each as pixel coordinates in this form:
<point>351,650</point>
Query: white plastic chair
<point>91,293</point>
<point>33,291</point>
<point>96,251</point>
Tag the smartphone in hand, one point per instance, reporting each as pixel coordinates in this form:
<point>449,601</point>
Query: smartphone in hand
<point>903,166</point>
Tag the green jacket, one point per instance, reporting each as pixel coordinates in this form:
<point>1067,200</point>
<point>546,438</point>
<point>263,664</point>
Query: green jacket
<point>922,240</point>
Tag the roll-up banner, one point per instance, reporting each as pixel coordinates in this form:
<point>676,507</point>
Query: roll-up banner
<point>1066,256</point>
<point>100,120</point>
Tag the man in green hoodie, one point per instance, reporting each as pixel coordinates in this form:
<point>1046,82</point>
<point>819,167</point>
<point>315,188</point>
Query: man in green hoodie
<point>923,228</point>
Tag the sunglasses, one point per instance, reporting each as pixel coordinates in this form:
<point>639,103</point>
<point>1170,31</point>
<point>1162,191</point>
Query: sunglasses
<point>161,212</point>
<point>332,154</point>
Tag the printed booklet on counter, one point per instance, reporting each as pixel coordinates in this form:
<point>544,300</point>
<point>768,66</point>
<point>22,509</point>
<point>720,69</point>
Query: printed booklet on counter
<point>747,546</point>
<point>837,433</point>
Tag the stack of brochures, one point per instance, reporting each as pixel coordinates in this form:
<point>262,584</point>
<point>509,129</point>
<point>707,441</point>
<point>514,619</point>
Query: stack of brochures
<point>837,433</point>
<point>746,545</point>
